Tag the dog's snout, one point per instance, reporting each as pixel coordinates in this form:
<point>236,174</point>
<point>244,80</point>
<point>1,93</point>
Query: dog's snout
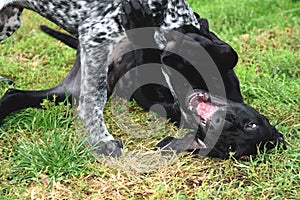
<point>280,142</point>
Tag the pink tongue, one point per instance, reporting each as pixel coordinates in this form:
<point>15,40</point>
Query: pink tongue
<point>205,110</point>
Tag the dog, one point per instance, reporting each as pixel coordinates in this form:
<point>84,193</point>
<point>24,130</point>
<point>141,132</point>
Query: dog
<point>97,25</point>
<point>235,135</point>
<point>224,126</point>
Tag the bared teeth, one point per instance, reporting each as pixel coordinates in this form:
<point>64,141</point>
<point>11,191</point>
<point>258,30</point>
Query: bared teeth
<point>203,122</point>
<point>203,100</point>
<point>200,97</point>
<point>206,97</point>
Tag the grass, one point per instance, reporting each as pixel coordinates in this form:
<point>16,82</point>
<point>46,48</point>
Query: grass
<point>43,153</point>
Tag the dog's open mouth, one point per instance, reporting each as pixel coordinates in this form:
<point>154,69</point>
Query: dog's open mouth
<point>200,102</point>
<point>210,111</point>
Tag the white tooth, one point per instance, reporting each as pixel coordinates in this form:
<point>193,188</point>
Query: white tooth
<point>201,143</point>
<point>206,97</point>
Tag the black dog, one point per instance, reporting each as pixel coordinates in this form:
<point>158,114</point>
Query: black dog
<point>232,126</point>
<point>224,126</point>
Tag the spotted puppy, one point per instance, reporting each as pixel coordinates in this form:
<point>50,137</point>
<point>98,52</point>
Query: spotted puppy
<point>97,25</point>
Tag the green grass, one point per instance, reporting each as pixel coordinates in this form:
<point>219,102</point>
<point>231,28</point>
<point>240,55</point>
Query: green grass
<point>43,152</point>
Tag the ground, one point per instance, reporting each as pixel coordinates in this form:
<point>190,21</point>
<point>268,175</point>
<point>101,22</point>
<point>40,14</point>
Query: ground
<point>43,154</point>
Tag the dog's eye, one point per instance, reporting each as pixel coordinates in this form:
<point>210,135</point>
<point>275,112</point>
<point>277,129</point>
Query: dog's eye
<point>251,126</point>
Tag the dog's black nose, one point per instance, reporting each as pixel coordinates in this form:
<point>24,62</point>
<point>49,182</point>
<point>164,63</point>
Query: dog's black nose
<point>280,141</point>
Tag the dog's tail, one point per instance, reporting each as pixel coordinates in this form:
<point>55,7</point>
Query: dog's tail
<point>65,38</point>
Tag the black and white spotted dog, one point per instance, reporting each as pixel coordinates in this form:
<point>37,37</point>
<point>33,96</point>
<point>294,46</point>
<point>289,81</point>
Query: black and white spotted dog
<point>97,25</point>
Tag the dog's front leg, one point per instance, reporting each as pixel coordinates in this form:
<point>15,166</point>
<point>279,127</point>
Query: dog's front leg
<point>95,47</point>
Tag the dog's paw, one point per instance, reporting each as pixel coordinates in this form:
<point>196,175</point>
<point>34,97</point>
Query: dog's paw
<point>111,148</point>
<point>163,144</point>
<point>188,143</point>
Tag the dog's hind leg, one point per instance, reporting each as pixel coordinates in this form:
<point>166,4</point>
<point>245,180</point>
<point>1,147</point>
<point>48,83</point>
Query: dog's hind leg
<point>15,99</point>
